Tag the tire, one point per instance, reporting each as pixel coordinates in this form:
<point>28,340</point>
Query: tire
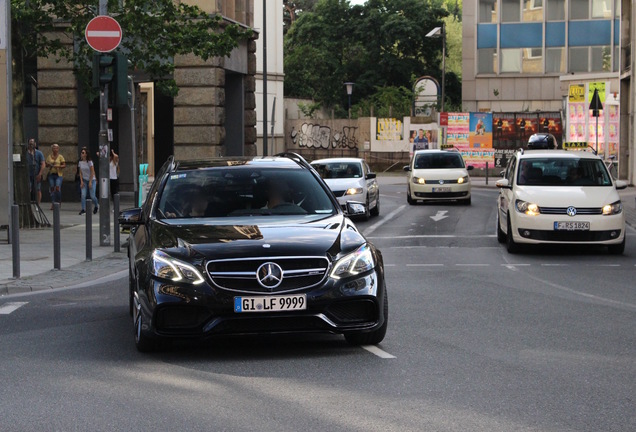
<point>511,245</point>
<point>131,290</point>
<point>376,210</point>
<point>408,197</point>
<point>617,249</point>
<point>142,342</point>
<point>374,337</point>
<point>501,236</point>
<point>467,201</point>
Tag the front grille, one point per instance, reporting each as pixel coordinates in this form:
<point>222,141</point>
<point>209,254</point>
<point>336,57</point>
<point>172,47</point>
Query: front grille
<point>240,275</point>
<point>440,194</point>
<point>570,236</point>
<point>437,182</point>
<point>579,210</point>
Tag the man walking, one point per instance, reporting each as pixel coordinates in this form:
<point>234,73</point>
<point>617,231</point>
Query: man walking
<point>35,161</point>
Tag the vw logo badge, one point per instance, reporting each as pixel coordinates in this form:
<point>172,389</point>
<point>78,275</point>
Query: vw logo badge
<point>269,275</point>
<point>571,211</point>
<point>441,182</point>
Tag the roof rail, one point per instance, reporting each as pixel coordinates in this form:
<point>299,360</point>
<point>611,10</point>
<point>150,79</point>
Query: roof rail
<point>295,157</point>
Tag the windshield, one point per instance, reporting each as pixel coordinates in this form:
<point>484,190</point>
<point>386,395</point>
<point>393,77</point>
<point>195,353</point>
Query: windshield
<point>438,160</point>
<point>333,170</point>
<point>563,172</point>
<point>242,191</point>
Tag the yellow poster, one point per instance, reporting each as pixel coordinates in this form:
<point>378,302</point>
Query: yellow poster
<point>576,93</point>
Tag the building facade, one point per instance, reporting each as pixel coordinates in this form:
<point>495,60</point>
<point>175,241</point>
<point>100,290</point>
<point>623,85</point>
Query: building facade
<point>547,56</point>
<point>274,124</point>
<point>213,114</point>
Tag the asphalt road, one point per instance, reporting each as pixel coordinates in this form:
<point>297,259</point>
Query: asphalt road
<point>478,340</point>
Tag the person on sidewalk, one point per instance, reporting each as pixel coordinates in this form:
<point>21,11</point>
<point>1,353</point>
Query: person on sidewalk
<point>114,174</point>
<point>55,163</point>
<point>88,180</point>
<point>35,161</point>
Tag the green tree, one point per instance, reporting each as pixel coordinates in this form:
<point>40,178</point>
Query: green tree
<point>380,46</point>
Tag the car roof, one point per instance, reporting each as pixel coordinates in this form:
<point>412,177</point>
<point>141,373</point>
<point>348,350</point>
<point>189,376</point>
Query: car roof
<point>561,154</point>
<point>228,162</point>
<point>341,159</point>
<point>435,151</point>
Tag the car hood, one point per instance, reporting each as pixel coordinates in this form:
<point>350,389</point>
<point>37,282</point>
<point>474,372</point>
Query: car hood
<point>345,183</point>
<point>441,173</point>
<point>276,237</point>
<point>577,196</point>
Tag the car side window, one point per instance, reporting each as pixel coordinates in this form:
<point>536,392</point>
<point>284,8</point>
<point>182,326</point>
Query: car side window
<point>510,171</point>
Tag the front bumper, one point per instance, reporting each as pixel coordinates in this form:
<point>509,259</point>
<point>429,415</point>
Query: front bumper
<point>447,191</point>
<point>184,311</point>
<point>604,230</point>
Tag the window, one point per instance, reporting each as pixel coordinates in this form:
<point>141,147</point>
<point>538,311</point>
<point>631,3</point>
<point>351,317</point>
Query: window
<point>532,61</point>
<point>487,11</point>
<point>601,9</point>
<point>579,9</point>
<point>555,60</point>
<point>578,59</point>
<point>486,60</point>
<point>601,59</point>
<point>510,10</point>
<point>555,10</point>
<point>510,60</point>
<point>532,11</point>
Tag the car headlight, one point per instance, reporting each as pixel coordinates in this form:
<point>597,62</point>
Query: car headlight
<point>353,191</point>
<point>462,180</point>
<point>530,209</point>
<point>419,180</point>
<point>612,209</point>
<point>166,267</point>
<point>354,263</point>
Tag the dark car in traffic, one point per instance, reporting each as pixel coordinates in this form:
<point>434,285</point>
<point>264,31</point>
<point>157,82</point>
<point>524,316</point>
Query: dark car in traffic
<point>242,246</point>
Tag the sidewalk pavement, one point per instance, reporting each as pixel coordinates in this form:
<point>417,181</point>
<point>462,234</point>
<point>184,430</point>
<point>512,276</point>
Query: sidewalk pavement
<point>36,263</point>
<point>36,253</point>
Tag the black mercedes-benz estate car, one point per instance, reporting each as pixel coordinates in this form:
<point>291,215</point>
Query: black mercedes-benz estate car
<point>250,246</point>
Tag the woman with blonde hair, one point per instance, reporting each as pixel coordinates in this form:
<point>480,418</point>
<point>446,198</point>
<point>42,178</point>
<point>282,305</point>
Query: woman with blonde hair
<point>55,163</point>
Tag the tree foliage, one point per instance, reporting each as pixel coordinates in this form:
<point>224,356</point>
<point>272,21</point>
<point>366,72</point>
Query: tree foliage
<point>154,31</point>
<point>381,46</point>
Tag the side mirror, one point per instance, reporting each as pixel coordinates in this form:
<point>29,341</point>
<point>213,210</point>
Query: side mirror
<point>407,168</point>
<point>470,168</point>
<point>355,208</point>
<point>130,217</point>
<point>620,184</point>
<point>371,175</point>
<point>503,184</point>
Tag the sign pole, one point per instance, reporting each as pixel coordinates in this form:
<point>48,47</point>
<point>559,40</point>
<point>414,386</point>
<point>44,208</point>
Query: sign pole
<point>6,120</point>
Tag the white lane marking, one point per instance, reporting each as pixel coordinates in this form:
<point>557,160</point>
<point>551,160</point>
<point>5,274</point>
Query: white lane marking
<point>7,308</point>
<point>472,265</point>
<point>375,226</point>
<point>436,236</point>
<point>377,351</point>
<point>439,216</point>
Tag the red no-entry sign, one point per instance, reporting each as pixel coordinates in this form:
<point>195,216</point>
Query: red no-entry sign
<point>103,33</point>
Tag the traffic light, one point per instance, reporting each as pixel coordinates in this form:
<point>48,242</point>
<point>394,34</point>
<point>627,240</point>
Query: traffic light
<point>112,69</point>
<point>120,81</point>
<point>103,69</point>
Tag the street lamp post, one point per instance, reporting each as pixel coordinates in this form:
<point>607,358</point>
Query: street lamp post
<point>441,32</point>
<point>349,86</point>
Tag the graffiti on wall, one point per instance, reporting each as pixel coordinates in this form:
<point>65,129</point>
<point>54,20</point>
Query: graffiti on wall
<point>318,136</point>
